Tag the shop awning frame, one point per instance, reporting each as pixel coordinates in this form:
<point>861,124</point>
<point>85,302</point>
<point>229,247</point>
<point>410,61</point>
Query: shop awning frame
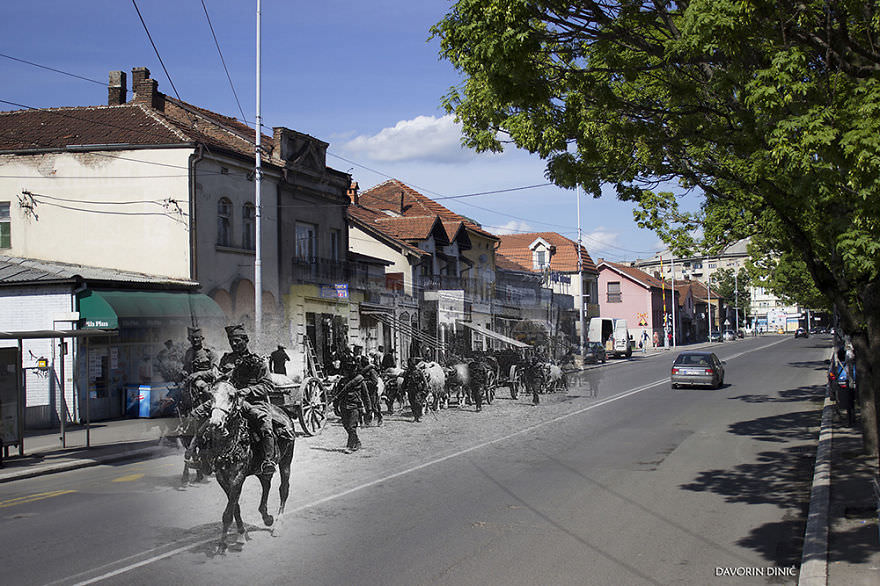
<point>487,332</point>
<point>104,309</point>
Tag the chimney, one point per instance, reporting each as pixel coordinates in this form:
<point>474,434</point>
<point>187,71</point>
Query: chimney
<point>401,203</point>
<point>146,90</point>
<point>353,192</point>
<point>116,90</point>
<point>139,74</point>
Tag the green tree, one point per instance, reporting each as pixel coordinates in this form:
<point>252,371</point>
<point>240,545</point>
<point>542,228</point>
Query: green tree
<point>768,108</point>
<point>727,282</point>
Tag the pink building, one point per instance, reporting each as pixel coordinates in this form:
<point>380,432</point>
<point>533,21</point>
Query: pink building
<point>629,293</point>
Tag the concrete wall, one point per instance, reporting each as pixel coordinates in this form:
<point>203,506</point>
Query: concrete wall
<point>363,243</point>
<point>123,196</point>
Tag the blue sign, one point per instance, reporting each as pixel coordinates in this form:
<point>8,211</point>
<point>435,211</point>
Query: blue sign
<point>337,291</point>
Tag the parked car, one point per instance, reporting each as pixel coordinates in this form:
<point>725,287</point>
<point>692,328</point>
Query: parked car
<point>740,333</point>
<point>715,336</point>
<point>697,368</point>
<point>801,333</point>
<point>729,336</point>
<point>595,353</point>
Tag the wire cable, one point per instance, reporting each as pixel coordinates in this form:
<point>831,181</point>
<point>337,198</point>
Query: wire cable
<point>51,69</point>
<point>223,61</point>
<point>155,49</point>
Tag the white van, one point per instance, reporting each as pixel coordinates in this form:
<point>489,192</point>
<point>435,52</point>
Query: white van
<point>611,333</point>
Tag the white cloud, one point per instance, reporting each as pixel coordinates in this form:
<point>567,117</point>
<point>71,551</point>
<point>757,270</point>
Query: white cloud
<point>511,227</point>
<point>425,138</point>
<point>601,240</point>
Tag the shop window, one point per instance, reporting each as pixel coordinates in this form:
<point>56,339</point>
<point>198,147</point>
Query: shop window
<point>248,226</point>
<point>5,226</point>
<point>224,222</point>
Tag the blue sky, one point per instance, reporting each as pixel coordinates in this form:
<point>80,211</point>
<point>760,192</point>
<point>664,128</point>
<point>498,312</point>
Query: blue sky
<point>363,76</point>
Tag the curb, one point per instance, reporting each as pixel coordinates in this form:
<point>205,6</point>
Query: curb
<point>77,464</point>
<point>814,560</point>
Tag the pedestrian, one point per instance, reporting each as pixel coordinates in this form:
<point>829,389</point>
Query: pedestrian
<point>389,360</point>
<point>416,387</point>
<point>351,406</point>
<point>278,360</point>
<point>643,343</point>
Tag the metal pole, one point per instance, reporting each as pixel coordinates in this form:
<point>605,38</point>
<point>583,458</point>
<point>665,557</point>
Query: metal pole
<point>736,302</point>
<point>581,277</point>
<point>709,308</point>
<point>63,398</point>
<point>258,179</point>
<point>674,302</point>
<point>22,397</point>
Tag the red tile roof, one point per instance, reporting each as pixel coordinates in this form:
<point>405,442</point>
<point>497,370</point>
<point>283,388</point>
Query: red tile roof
<point>133,123</point>
<point>502,262</point>
<point>411,228</point>
<point>698,290</point>
<point>516,248</point>
<point>387,196</point>
<point>637,275</point>
<point>368,217</point>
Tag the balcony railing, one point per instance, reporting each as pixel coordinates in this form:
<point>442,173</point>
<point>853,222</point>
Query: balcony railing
<point>328,271</point>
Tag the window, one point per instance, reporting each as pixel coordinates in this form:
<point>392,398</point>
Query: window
<point>224,222</point>
<point>540,259</point>
<point>335,244</point>
<point>614,292</point>
<point>306,242</point>
<point>5,226</point>
<point>248,226</point>
<point>711,265</point>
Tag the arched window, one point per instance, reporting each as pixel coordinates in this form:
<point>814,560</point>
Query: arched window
<point>224,222</point>
<point>248,226</point>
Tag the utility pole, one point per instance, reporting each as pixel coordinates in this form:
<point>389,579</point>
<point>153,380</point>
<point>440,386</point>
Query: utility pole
<point>709,302</point>
<point>735,302</point>
<point>258,180</point>
<point>674,303</point>
<point>581,276</point>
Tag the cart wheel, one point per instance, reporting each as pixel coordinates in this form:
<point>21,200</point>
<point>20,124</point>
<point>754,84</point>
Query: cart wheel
<point>515,382</point>
<point>491,381</point>
<point>313,411</point>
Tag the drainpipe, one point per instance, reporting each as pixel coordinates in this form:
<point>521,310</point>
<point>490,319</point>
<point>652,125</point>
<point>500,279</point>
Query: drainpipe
<point>194,159</point>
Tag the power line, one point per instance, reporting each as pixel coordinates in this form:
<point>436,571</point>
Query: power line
<point>222,60</point>
<point>155,49</point>
<point>51,69</point>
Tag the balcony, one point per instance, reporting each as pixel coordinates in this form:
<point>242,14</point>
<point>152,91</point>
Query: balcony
<point>440,282</point>
<point>325,271</point>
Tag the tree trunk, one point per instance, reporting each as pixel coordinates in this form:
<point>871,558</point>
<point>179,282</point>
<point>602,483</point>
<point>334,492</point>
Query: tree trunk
<point>867,359</point>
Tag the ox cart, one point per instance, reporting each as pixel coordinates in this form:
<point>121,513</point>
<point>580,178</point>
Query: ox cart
<point>508,368</point>
<point>305,402</point>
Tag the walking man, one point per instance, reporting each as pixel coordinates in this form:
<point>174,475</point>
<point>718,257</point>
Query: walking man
<point>351,405</point>
<point>278,360</point>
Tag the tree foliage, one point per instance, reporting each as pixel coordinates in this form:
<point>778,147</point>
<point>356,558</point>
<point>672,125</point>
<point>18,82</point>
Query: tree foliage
<point>770,109</point>
<point>727,282</point>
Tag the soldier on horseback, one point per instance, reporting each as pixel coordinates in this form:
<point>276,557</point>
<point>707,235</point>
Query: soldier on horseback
<point>199,369</point>
<point>248,374</point>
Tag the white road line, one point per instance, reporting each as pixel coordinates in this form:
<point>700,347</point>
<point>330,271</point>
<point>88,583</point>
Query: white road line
<point>404,472</point>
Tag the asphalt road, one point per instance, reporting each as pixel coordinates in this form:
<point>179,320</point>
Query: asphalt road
<point>620,481</point>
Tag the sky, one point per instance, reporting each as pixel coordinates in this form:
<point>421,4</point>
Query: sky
<point>363,76</point>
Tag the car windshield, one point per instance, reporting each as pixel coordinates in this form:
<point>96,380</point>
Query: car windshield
<point>693,359</point>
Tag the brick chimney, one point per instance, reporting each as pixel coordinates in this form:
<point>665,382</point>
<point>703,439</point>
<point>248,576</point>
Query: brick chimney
<point>146,90</point>
<point>353,192</point>
<point>401,203</point>
<point>139,74</point>
<point>116,89</point>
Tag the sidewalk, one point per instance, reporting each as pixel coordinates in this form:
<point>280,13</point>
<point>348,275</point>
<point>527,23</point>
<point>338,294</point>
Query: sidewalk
<point>109,441</point>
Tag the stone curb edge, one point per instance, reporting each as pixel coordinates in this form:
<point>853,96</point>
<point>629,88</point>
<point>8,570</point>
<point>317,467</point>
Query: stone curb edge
<point>814,560</point>
<point>80,463</point>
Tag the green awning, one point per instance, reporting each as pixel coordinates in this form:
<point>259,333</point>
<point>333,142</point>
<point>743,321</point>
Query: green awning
<point>109,309</point>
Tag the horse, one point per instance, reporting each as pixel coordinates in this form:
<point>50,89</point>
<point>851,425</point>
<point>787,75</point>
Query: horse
<point>230,451</point>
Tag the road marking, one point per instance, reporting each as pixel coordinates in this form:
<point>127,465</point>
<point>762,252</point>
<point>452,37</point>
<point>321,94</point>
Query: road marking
<point>34,497</point>
<point>129,478</point>
<point>410,470</point>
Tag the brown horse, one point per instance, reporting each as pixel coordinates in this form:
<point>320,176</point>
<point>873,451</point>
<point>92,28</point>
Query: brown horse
<point>231,452</point>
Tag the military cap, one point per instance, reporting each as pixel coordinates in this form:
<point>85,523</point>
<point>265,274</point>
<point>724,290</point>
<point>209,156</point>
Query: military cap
<point>190,332</point>
<point>236,330</point>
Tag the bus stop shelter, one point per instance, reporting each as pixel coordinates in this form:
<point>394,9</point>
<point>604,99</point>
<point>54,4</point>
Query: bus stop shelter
<point>13,387</point>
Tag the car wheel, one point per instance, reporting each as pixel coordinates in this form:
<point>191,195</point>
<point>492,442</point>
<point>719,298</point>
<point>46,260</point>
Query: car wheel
<point>674,386</point>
